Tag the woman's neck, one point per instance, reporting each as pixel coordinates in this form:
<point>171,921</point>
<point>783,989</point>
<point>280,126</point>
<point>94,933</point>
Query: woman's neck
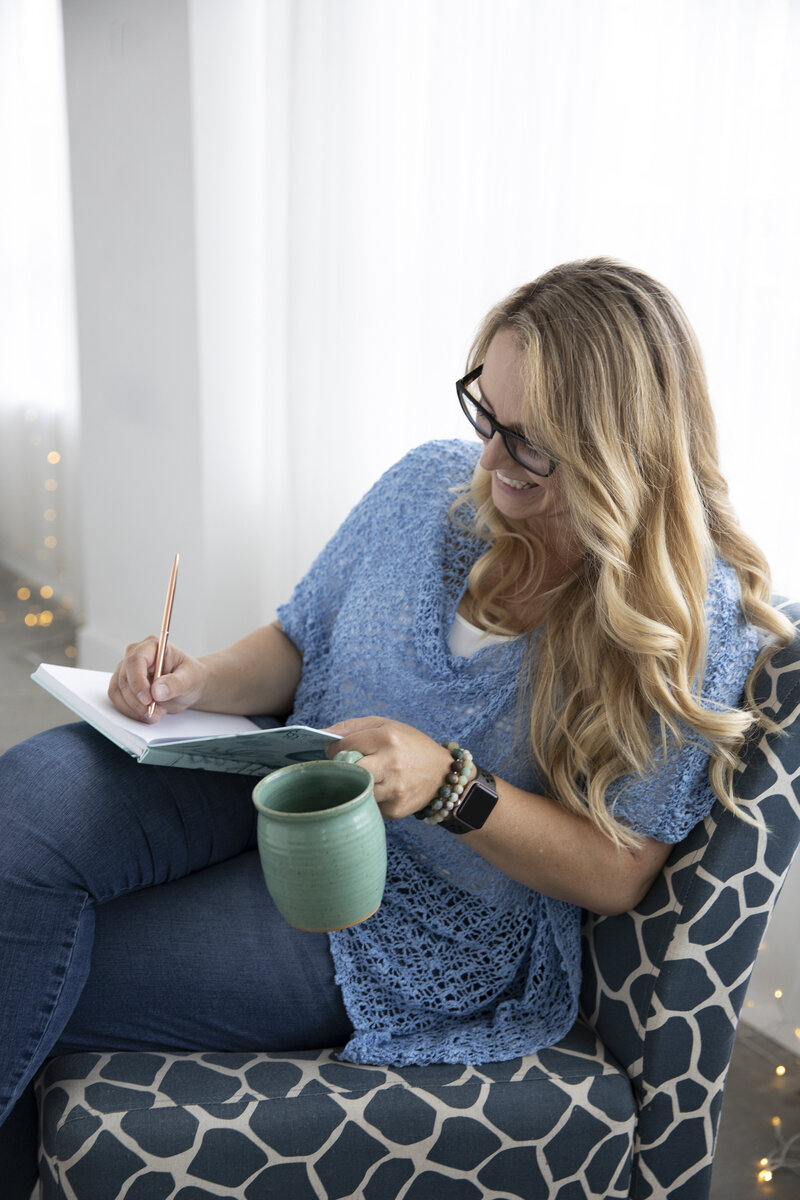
<point>526,605</point>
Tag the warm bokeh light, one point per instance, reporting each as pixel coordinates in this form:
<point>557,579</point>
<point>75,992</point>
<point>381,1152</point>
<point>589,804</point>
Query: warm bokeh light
<point>54,457</point>
<point>51,542</point>
<point>46,592</point>
<point>780,1070</point>
<point>23,593</point>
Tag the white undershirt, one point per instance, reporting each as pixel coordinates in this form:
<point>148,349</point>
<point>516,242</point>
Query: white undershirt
<point>466,639</point>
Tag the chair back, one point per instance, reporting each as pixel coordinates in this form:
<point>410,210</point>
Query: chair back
<point>664,985</point>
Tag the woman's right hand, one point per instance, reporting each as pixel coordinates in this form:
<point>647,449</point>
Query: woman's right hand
<point>180,685</point>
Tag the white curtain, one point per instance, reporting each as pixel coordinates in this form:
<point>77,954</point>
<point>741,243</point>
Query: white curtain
<point>370,176</point>
<point>427,156</point>
<point>38,393</point>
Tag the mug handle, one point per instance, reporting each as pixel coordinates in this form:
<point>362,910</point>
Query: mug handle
<point>350,756</point>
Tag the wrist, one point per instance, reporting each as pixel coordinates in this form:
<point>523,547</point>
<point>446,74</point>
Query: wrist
<point>204,685</point>
<point>475,806</point>
<point>467,798</point>
<point>449,793</point>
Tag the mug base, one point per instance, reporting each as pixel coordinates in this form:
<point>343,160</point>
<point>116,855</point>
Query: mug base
<point>333,928</point>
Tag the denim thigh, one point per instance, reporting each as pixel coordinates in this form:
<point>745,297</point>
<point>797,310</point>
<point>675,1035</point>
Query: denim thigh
<point>206,963</point>
<point>84,826</point>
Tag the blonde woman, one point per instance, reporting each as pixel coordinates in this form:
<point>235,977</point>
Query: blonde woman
<point>562,619</point>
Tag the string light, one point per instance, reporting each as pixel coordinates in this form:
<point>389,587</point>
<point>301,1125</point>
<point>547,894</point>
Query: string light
<point>36,614</point>
<point>782,1159</point>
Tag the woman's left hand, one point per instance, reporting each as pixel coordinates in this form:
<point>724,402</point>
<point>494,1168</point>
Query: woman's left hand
<point>408,767</point>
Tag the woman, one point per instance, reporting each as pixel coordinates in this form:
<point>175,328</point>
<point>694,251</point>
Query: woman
<point>573,607</point>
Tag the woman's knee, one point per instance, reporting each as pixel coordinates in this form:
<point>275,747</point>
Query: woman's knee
<point>60,798</point>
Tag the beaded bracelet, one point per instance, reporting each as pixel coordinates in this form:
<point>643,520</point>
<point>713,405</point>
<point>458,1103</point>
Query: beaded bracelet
<point>450,792</point>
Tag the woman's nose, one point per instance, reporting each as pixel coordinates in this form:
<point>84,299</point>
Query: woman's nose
<point>495,454</point>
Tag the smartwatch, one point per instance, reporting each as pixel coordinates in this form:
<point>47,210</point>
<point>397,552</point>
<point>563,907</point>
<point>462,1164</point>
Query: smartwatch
<point>475,805</point>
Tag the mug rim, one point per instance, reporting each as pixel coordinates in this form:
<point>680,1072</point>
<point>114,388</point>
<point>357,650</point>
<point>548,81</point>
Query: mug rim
<point>315,813</point>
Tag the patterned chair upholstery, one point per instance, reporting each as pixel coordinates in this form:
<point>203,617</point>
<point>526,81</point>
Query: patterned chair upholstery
<point>626,1105</point>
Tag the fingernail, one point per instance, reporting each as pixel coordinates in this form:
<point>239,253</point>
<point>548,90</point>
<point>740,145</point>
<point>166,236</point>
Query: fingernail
<point>160,691</point>
<point>143,697</point>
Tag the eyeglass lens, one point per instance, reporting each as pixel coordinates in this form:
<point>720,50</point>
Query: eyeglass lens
<point>521,451</point>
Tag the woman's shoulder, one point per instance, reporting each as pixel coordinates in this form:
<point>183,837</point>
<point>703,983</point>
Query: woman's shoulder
<point>732,640</point>
<point>724,597</point>
<point>451,459</point>
<point>425,471</point>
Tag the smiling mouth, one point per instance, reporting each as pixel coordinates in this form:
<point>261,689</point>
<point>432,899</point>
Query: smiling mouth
<point>518,484</point>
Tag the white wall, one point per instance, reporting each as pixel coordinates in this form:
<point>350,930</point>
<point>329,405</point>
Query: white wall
<point>170,428</point>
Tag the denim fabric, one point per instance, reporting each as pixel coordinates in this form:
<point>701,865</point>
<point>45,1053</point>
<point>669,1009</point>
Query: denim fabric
<point>133,915</point>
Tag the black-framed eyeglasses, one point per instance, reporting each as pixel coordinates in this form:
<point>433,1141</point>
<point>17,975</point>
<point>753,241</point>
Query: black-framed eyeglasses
<point>486,427</point>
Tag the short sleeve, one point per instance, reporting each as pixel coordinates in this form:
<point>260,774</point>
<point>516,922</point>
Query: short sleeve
<point>670,800</point>
<point>310,613</point>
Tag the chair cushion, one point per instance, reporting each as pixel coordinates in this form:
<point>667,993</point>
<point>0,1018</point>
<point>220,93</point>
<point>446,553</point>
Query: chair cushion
<point>558,1124</point>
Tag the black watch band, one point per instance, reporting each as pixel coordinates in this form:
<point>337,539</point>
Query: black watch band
<point>475,805</point>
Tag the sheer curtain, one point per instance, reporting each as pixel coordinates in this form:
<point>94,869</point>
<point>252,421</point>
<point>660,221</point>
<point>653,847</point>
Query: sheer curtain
<point>438,152</point>
<point>39,537</point>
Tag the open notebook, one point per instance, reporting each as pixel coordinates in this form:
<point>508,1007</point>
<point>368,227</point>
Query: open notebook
<point>209,741</point>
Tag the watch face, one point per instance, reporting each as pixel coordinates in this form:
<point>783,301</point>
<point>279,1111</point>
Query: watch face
<point>477,805</point>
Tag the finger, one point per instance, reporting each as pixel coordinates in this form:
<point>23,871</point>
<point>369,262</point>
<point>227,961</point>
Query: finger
<point>137,669</point>
<point>355,725</point>
<point>367,742</point>
<point>129,688</point>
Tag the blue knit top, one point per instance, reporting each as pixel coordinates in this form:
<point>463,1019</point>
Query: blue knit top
<point>460,963</point>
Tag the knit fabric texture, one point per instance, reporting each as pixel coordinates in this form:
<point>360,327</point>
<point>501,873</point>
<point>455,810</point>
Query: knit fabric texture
<point>460,963</point>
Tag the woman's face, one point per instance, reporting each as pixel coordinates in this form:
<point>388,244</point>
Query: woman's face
<point>516,493</point>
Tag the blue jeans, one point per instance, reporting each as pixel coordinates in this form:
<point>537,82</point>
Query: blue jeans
<point>133,915</point>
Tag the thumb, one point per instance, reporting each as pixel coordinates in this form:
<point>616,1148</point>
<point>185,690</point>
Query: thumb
<point>173,684</point>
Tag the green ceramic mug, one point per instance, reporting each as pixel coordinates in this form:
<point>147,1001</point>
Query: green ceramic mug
<point>322,842</point>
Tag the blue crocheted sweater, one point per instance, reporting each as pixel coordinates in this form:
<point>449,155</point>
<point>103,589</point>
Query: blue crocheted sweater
<point>460,963</point>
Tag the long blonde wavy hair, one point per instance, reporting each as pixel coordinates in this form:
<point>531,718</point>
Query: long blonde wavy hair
<point>615,392</point>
